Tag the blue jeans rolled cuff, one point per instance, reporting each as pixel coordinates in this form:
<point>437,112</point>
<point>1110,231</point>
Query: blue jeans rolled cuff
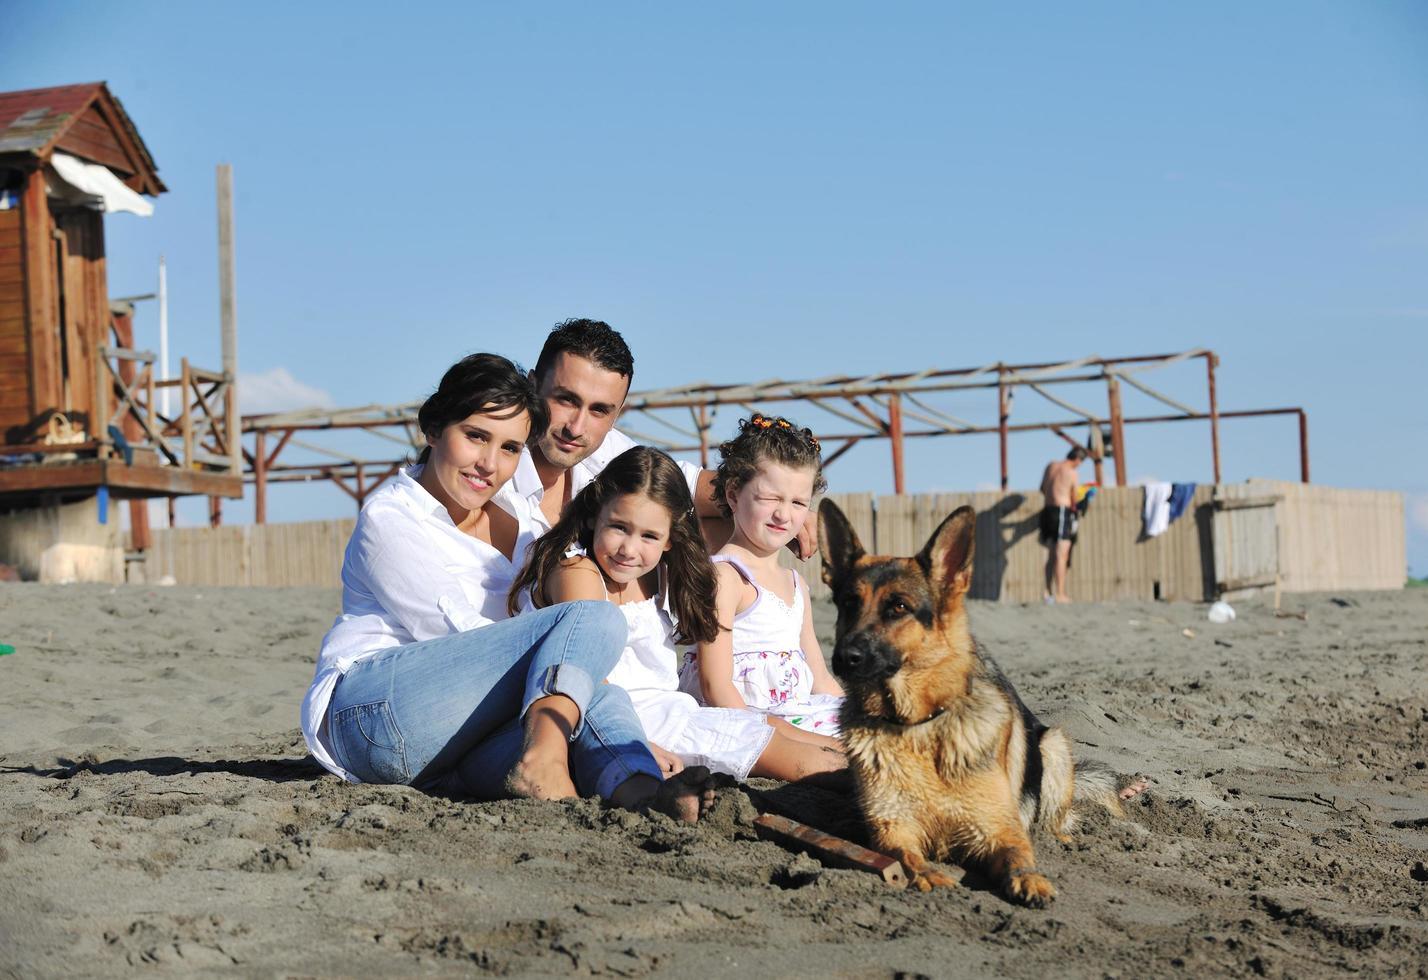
<point>567,679</point>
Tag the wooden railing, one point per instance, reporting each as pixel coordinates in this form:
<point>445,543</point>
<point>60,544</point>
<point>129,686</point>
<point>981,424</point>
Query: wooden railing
<point>202,436</point>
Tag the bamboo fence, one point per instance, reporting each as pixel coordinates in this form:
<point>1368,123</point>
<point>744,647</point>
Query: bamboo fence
<point>1327,539</point>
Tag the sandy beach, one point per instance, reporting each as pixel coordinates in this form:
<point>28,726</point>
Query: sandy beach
<point>158,812</point>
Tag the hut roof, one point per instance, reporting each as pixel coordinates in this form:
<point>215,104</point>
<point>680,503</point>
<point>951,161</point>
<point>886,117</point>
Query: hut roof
<point>85,121</point>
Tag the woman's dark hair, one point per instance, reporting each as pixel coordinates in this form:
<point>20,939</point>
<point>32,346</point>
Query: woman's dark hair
<point>688,570</point>
<point>760,438</point>
<point>487,383</point>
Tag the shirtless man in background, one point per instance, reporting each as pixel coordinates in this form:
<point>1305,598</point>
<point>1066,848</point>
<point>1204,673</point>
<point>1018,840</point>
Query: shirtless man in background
<point>1059,520</point>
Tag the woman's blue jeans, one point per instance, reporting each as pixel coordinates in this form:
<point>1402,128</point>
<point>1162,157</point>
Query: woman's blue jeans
<point>446,715</point>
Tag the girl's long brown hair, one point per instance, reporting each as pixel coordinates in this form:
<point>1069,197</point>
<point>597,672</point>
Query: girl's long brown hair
<point>688,570</point>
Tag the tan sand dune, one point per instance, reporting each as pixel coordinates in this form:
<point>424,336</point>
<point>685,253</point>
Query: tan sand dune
<point>157,809</point>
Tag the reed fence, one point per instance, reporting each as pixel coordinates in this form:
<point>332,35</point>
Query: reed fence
<point>1325,539</point>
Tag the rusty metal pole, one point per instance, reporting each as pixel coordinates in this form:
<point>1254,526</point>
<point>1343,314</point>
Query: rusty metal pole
<point>1303,447</point>
<point>1211,362</point>
<point>1004,411</point>
<point>1118,432</point>
<point>260,477</point>
<point>895,437</point>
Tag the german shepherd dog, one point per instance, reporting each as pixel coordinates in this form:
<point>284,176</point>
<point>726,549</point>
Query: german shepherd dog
<point>947,760</point>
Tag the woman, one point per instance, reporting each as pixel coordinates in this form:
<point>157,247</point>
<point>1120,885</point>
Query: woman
<point>424,681</point>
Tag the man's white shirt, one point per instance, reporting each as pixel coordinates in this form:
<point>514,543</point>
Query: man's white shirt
<point>526,483</point>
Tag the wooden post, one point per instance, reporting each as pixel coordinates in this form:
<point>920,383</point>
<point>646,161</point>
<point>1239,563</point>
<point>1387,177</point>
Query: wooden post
<point>139,536</point>
<point>1118,431</point>
<point>704,437</point>
<point>41,327</point>
<point>1211,362</point>
<point>228,308</point>
<point>99,427</point>
<point>832,851</point>
<point>895,436</point>
<point>186,412</point>
<point>361,495</point>
<point>1098,445</point>
<point>1303,447</point>
<point>215,511</point>
<point>1004,411</point>
<point>260,477</point>
<point>173,513</point>
<point>151,408</point>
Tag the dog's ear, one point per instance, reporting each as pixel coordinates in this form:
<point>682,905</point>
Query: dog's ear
<point>947,557</point>
<point>837,541</point>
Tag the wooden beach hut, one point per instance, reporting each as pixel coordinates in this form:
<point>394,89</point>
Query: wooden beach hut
<point>78,413</point>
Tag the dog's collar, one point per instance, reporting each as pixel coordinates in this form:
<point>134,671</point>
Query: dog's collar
<point>913,724</point>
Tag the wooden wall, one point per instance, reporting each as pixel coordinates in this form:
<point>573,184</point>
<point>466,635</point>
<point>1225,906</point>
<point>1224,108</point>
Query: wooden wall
<point>91,137</point>
<point>1329,539</point>
<point>14,346</point>
<point>86,304</point>
<point>1110,560</point>
<point>52,318</point>
<point>305,553</point>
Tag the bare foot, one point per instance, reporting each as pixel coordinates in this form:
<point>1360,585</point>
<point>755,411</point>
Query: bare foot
<point>1138,785</point>
<point>686,796</point>
<point>538,778</point>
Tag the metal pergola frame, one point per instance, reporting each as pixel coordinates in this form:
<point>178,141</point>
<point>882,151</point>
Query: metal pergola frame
<point>861,407</point>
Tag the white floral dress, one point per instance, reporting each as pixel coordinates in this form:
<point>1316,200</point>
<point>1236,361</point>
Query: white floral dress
<point>771,672</point>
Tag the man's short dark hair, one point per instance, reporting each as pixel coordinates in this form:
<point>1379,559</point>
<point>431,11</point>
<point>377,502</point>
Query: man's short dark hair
<point>594,340</point>
<point>1077,453</point>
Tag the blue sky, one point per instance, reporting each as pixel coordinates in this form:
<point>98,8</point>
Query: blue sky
<point>794,190</point>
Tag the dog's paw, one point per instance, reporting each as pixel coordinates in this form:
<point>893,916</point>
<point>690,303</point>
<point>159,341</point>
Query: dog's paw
<point>1032,889</point>
<point>928,880</point>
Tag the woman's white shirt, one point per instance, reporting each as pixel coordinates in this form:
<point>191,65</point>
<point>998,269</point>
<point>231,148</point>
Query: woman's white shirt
<point>409,574</point>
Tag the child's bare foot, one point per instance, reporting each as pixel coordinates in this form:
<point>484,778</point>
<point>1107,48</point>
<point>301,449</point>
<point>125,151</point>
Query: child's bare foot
<point>686,796</point>
<point>1138,785</point>
<point>535,777</point>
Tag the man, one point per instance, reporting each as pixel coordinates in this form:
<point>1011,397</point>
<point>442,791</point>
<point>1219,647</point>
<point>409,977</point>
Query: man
<point>584,373</point>
<point>1059,521</point>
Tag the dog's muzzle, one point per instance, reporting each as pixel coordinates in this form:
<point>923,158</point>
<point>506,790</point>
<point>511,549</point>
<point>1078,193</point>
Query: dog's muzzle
<point>862,657</point>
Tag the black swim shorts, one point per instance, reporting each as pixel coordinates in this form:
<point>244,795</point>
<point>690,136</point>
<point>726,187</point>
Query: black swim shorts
<point>1058,524</point>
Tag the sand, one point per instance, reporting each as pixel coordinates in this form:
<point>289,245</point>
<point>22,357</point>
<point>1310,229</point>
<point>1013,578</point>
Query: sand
<point>158,812</point>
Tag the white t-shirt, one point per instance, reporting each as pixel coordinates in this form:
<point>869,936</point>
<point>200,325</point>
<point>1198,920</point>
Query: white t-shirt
<point>526,482</point>
<point>409,574</point>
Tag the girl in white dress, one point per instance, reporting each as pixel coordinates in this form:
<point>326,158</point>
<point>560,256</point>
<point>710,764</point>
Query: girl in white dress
<point>771,659</point>
<point>631,537</point>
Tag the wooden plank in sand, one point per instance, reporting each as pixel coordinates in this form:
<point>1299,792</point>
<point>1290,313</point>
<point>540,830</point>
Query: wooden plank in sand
<point>833,851</point>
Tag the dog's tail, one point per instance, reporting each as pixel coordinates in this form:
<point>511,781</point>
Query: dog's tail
<point>1066,783</point>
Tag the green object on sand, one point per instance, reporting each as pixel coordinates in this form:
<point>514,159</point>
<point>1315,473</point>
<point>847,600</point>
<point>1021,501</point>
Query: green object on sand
<point>6,648</point>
